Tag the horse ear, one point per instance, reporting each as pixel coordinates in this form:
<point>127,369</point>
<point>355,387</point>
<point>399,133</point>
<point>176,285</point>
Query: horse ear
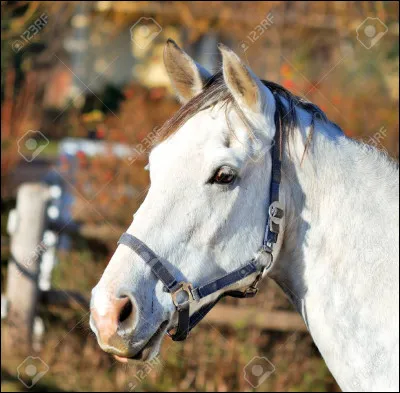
<point>187,77</point>
<point>245,87</point>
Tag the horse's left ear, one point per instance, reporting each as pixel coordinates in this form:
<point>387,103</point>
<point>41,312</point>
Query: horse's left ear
<point>246,88</point>
<point>187,77</point>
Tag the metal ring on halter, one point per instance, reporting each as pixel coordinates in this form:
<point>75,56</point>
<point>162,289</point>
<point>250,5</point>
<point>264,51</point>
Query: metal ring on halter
<point>265,253</point>
<point>183,287</point>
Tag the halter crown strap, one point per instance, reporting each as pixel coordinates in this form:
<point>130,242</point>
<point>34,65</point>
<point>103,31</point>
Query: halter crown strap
<point>275,210</point>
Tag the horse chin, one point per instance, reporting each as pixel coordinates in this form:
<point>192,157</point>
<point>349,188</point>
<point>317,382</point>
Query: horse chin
<point>145,355</point>
<point>150,350</point>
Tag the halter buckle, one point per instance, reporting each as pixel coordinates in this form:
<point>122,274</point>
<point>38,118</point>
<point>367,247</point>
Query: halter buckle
<point>171,332</point>
<point>251,291</point>
<point>183,287</point>
<point>276,210</point>
<point>276,214</point>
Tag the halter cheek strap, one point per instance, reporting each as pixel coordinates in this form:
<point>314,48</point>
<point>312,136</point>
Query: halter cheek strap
<point>183,294</point>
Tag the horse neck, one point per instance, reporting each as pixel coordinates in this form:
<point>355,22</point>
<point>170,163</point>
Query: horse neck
<point>337,262</point>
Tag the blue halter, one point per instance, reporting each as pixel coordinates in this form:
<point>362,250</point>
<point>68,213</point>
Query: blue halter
<point>183,293</point>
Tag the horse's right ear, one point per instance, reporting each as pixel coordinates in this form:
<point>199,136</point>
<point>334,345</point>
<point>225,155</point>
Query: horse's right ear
<point>245,87</point>
<point>187,77</point>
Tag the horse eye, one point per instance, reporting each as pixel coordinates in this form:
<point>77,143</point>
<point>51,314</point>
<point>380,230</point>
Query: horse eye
<point>224,175</point>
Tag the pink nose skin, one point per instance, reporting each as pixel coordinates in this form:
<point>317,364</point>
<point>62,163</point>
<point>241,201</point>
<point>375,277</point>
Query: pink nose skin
<point>119,311</point>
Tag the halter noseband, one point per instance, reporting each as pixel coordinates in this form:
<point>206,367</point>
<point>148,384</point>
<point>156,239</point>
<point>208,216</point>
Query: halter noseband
<point>183,293</point>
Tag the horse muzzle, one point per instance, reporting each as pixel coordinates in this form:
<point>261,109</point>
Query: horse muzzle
<point>115,321</point>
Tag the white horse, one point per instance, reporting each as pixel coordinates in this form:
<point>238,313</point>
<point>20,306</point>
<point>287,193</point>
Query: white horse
<point>338,249</point>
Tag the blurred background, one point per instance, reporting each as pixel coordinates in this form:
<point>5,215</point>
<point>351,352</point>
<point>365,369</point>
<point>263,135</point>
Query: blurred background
<point>83,90</point>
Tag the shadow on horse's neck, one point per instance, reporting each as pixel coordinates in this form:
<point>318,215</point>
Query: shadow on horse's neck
<point>304,177</point>
<point>290,276</point>
<point>306,167</point>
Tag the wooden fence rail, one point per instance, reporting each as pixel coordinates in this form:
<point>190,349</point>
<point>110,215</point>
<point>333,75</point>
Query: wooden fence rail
<point>221,315</point>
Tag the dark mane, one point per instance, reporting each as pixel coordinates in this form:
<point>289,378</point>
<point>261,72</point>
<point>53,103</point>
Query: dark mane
<point>216,91</point>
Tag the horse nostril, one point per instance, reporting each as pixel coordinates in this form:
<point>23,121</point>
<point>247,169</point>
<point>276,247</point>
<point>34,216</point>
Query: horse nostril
<point>126,310</point>
<point>113,316</point>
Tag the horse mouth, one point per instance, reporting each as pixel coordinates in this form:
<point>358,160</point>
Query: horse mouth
<point>145,352</point>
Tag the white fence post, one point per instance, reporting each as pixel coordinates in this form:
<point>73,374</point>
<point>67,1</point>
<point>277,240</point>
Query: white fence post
<point>26,248</point>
